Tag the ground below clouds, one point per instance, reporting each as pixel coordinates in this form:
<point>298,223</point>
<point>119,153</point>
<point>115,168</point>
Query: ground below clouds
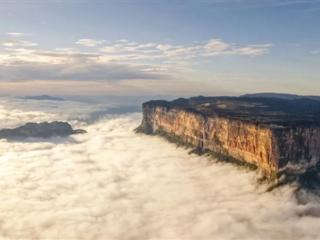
<point>112,184</point>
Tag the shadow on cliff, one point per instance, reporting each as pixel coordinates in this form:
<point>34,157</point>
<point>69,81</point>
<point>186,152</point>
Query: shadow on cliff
<point>307,184</point>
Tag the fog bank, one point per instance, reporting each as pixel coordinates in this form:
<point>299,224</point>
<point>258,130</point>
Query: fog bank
<point>112,184</point>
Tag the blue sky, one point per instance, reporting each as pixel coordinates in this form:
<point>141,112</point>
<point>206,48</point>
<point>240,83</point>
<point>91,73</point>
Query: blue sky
<point>141,47</point>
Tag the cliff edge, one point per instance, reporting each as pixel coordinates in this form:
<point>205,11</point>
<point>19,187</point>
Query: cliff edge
<point>271,134</point>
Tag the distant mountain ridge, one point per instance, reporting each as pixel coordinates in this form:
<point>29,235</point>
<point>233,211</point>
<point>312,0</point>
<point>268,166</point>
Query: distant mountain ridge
<point>286,96</point>
<point>44,97</point>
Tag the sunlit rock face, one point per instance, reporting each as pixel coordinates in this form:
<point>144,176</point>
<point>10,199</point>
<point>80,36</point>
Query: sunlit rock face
<point>271,134</point>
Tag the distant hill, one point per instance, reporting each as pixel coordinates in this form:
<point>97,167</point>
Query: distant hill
<point>280,96</point>
<point>44,97</point>
<point>40,130</point>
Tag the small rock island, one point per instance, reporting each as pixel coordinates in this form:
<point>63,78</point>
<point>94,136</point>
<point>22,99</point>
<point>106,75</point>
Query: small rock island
<point>40,130</point>
<point>271,134</point>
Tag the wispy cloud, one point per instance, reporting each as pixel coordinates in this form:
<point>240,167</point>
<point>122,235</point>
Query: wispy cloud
<point>15,34</point>
<point>153,51</point>
<point>18,43</point>
<point>88,42</point>
<point>122,59</point>
<point>23,64</point>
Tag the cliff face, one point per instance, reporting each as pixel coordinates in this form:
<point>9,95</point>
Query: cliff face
<point>269,145</point>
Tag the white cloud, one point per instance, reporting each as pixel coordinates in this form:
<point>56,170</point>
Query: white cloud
<point>216,45</point>
<point>88,42</point>
<point>15,34</point>
<point>18,43</point>
<point>22,64</point>
<point>167,52</point>
<point>77,71</point>
<point>164,47</point>
<point>113,184</point>
<point>252,51</point>
<point>21,61</point>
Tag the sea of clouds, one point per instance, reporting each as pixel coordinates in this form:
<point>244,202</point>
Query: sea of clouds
<point>113,184</point>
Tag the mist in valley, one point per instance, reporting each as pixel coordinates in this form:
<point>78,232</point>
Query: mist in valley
<point>112,183</point>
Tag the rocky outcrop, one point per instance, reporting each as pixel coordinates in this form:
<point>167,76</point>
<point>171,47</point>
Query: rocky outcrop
<point>40,130</point>
<point>273,135</point>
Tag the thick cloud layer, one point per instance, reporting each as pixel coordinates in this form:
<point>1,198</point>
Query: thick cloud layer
<point>112,184</point>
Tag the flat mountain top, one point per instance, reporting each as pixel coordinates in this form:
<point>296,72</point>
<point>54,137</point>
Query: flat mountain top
<point>281,112</point>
